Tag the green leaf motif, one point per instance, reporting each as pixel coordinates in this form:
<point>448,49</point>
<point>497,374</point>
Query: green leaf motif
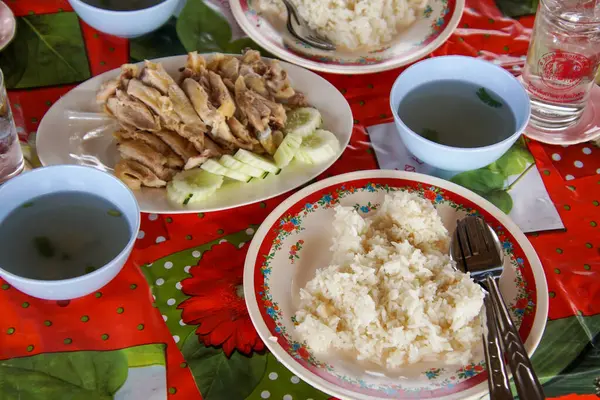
<point>160,43</point>
<point>219,377</point>
<point>85,375</point>
<point>565,361</point>
<point>514,161</point>
<point>517,8</point>
<point>202,29</point>
<point>501,199</point>
<point>487,99</point>
<point>480,180</point>
<point>48,50</point>
<point>144,356</point>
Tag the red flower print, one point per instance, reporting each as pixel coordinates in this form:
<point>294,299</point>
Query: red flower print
<point>430,195</point>
<point>288,226</point>
<point>335,195</point>
<point>301,241</point>
<point>521,303</point>
<point>478,368</point>
<point>302,352</point>
<point>217,303</point>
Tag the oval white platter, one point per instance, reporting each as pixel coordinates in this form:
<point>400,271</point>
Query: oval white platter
<point>64,140</point>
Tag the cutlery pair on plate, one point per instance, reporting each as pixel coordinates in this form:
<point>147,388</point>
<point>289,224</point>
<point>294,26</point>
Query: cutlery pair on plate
<point>477,250</point>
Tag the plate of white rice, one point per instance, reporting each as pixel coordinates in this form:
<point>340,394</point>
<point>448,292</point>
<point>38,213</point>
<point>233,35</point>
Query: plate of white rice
<point>370,35</point>
<point>350,285</point>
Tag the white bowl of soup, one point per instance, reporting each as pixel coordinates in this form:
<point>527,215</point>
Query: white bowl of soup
<point>458,113</point>
<point>125,18</point>
<point>65,231</point>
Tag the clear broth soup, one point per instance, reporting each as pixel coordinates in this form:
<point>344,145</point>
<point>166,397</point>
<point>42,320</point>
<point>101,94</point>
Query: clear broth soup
<point>458,114</point>
<point>122,5</point>
<point>62,235</point>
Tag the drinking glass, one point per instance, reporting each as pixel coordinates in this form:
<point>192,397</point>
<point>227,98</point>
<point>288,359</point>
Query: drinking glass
<point>563,57</point>
<point>11,157</point>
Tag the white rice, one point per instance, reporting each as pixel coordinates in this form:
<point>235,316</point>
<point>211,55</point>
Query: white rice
<point>353,23</point>
<point>391,295</point>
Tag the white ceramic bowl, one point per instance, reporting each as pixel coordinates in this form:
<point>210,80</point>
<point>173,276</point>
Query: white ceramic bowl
<point>8,25</point>
<point>433,26</point>
<point>478,72</point>
<point>126,24</point>
<point>63,178</point>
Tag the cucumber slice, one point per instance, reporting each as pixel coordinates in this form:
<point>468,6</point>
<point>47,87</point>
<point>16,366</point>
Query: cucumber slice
<point>192,186</point>
<point>303,121</point>
<point>287,149</point>
<point>214,167</point>
<point>319,147</point>
<point>256,161</point>
<point>229,162</point>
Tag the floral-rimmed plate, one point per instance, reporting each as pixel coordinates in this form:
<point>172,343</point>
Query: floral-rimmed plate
<point>8,25</point>
<point>294,241</point>
<point>433,27</point>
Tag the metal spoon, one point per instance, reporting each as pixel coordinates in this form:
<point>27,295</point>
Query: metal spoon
<point>477,250</point>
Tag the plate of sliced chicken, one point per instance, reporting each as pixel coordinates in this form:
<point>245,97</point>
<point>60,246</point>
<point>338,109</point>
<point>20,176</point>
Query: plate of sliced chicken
<point>200,132</point>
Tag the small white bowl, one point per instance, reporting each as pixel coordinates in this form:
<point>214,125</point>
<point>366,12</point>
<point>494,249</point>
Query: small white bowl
<point>63,178</point>
<point>467,69</point>
<point>126,24</point>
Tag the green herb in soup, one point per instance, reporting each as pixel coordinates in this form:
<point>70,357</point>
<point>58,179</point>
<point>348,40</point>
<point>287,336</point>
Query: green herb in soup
<point>62,235</point>
<point>457,113</point>
<point>122,5</point>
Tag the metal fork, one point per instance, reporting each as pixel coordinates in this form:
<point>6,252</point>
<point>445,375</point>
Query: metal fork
<point>300,30</point>
<point>480,251</point>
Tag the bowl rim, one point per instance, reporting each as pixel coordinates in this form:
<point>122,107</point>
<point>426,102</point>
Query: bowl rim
<point>468,150</point>
<point>475,392</point>
<point>291,57</point>
<point>90,7</point>
<point>13,33</point>
<point>126,249</point>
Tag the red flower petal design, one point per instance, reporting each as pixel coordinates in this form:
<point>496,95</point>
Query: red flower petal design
<point>217,303</point>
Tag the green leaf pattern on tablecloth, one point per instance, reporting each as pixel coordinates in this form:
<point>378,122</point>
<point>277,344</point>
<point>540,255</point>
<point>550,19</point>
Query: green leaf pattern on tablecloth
<point>202,29</point>
<point>219,377</point>
<point>160,43</point>
<point>215,373</point>
<point>490,181</point>
<point>48,50</point>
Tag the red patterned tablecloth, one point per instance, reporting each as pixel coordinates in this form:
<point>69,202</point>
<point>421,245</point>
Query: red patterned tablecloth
<point>177,299</point>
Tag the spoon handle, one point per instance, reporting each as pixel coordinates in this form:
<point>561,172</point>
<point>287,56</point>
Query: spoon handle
<point>526,381</point>
<point>497,375</point>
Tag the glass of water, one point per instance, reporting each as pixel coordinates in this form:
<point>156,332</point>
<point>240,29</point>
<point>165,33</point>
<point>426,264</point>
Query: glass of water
<point>11,157</point>
<point>563,57</point>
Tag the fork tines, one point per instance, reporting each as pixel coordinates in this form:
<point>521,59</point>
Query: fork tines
<point>480,254</point>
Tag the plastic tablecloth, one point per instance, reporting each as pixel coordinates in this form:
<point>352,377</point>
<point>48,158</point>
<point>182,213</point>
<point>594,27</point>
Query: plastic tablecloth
<point>173,322</point>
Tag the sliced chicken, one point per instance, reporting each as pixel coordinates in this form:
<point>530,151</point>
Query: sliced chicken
<point>135,175</point>
<point>215,61</point>
<point>146,94</point>
<point>154,75</point>
<point>240,131</point>
<point>146,155</point>
<point>212,150</point>
<point>195,62</point>
<point>220,95</point>
<point>131,114</point>
<point>253,58</point>
<point>229,68</point>
<point>183,147</point>
<point>254,81</point>
<point>278,82</point>
<point>277,138</point>
<point>173,160</point>
<point>257,113</point>
<point>107,90</point>
<point>297,100</point>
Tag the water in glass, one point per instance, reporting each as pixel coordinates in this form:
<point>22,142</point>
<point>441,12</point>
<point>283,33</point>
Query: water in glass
<point>11,157</point>
<point>563,57</point>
